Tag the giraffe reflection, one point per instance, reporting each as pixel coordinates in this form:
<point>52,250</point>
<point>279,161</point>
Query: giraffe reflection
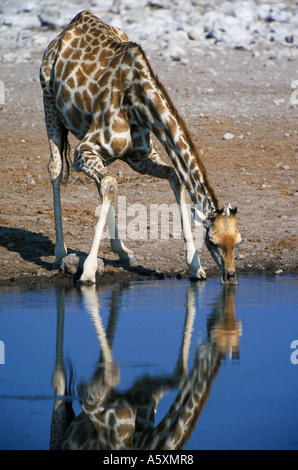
<point>114,420</point>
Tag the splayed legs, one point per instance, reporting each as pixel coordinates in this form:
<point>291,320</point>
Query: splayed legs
<point>154,166</point>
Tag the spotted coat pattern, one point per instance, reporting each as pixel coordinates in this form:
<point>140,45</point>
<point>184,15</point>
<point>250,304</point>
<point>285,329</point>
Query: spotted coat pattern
<point>116,420</point>
<point>101,88</point>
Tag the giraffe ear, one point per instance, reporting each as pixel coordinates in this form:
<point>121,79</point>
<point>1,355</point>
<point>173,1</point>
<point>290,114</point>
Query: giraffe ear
<point>233,212</point>
<point>219,211</point>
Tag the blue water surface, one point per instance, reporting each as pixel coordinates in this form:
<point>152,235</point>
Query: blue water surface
<point>252,398</point>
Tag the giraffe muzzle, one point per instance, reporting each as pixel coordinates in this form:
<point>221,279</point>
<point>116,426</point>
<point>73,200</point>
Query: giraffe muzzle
<point>230,277</point>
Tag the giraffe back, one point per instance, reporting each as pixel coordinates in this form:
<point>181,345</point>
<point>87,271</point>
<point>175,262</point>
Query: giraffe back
<point>74,69</point>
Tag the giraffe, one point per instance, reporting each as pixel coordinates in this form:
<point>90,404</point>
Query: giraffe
<point>111,420</point>
<point>100,87</point>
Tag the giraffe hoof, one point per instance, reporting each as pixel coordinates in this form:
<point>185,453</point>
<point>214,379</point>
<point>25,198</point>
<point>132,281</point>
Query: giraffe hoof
<point>89,272</point>
<point>84,280</point>
<point>129,260</point>
<point>199,276</point>
<point>60,252</point>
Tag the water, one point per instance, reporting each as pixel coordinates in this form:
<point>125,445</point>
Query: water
<point>232,344</point>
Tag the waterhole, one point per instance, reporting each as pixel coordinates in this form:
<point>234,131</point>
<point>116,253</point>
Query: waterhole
<point>224,358</point>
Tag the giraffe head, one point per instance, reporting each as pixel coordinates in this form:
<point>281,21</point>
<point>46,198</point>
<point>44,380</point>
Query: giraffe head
<point>221,238</point>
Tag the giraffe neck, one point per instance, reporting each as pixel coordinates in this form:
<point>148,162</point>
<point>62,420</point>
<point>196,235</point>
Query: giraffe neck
<point>156,111</point>
<point>178,424</point>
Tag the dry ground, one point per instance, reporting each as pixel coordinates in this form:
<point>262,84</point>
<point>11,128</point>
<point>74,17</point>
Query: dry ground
<point>238,92</point>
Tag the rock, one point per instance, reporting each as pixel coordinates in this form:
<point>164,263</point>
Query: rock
<point>278,102</point>
<point>226,28</point>
<point>30,180</point>
<point>116,7</point>
<point>245,12</point>
<point>228,136</point>
<point>279,272</point>
<point>197,33</point>
<point>290,39</point>
<point>70,264</point>
<point>9,57</point>
<point>176,53</point>
<point>100,266</point>
<point>155,5</point>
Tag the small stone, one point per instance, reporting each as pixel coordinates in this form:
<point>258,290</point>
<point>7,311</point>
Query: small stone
<point>70,264</point>
<point>100,266</point>
<point>196,34</point>
<point>290,39</point>
<point>278,102</point>
<point>9,57</point>
<point>30,180</point>
<point>285,167</point>
<point>279,272</point>
<point>228,136</point>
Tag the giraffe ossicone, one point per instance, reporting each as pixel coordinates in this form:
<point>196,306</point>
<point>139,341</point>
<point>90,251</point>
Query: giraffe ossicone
<point>101,87</point>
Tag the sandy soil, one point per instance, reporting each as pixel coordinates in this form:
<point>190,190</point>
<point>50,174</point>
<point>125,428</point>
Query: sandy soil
<point>217,91</point>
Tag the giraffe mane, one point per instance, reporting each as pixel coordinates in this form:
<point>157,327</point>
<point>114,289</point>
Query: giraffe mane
<point>181,123</point>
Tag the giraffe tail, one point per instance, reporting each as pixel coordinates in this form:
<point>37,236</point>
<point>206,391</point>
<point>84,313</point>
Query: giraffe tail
<point>65,151</point>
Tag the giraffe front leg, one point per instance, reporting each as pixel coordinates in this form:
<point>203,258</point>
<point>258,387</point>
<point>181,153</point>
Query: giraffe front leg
<point>191,254</point>
<point>108,189</point>
<point>154,166</point>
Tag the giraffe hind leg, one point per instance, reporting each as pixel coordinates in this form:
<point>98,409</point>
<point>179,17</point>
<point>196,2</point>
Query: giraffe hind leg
<point>57,136</point>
